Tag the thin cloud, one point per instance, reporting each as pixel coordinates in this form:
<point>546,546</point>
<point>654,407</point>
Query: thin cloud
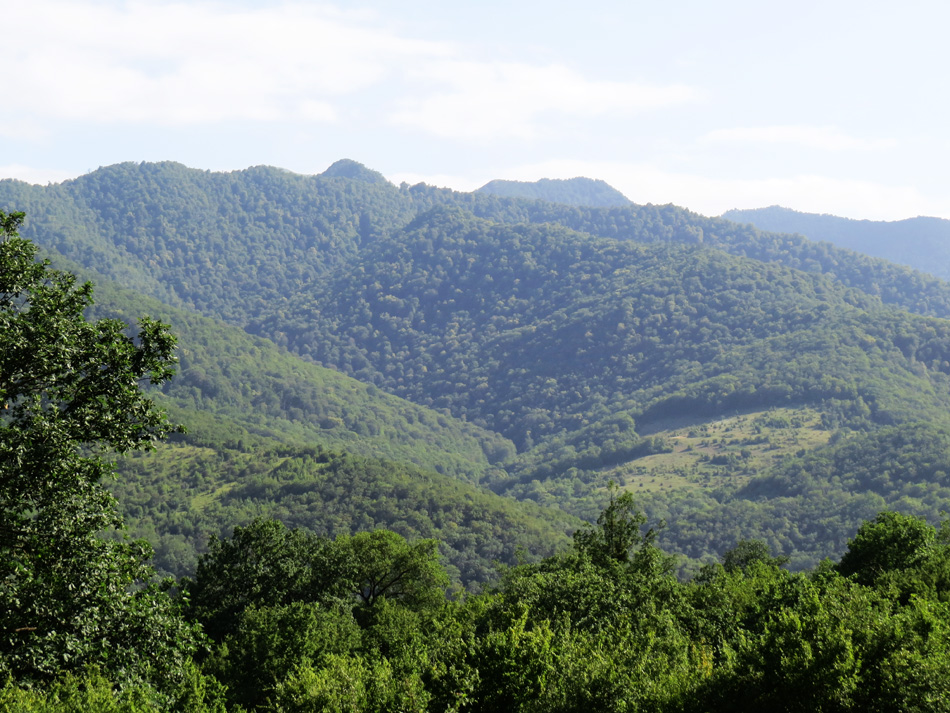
<point>195,63</point>
<point>38,176</point>
<point>184,64</point>
<point>494,100</point>
<point>21,130</point>
<point>824,138</point>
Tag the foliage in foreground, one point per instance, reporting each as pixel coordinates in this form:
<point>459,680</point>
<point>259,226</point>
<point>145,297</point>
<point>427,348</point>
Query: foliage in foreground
<point>70,396</point>
<point>603,626</point>
<point>302,623</point>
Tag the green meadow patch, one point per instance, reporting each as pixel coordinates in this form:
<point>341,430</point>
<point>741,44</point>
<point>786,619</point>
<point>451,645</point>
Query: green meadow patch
<point>727,451</point>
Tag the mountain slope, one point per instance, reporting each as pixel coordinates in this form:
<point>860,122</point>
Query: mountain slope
<point>261,388</point>
<point>271,435</point>
<point>537,331</point>
<point>192,488</point>
<point>222,244</point>
<point>894,284</point>
<point>347,168</point>
<point>229,245</point>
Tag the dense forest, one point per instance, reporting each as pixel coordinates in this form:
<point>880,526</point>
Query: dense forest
<point>532,347</point>
<point>386,412</point>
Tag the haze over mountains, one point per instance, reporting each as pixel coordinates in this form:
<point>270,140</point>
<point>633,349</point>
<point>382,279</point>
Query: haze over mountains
<point>539,340</point>
<point>921,243</point>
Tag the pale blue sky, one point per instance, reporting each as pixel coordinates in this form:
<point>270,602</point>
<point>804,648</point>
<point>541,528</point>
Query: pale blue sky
<point>837,107</point>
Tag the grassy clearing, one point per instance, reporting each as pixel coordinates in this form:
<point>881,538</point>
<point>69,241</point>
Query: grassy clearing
<point>203,500</point>
<point>727,451</point>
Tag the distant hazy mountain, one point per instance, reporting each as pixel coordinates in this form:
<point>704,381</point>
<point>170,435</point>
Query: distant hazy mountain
<point>571,191</point>
<point>921,243</point>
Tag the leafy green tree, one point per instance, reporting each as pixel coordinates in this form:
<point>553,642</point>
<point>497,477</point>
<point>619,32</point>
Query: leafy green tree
<point>617,538</point>
<point>70,395</point>
<point>390,567</point>
<point>264,564</point>
<point>892,541</point>
<point>907,664</point>
<point>746,552</point>
<point>347,684</point>
<point>90,690</point>
<point>270,642</point>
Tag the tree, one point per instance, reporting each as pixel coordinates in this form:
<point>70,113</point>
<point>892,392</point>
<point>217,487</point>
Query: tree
<point>265,564</point>
<point>70,395</point>
<point>270,642</point>
<point>617,540</point>
<point>891,542</point>
<point>617,533</point>
<point>747,552</point>
<point>387,566</point>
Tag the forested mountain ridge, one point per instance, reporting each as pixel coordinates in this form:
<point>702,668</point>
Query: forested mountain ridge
<point>532,320</point>
<point>227,244</point>
<point>197,487</point>
<point>921,243</point>
<point>348,168</point>
<point>894,284</point>
<point>572,331</point>
<point>220,244</point>
<point>525,329</point>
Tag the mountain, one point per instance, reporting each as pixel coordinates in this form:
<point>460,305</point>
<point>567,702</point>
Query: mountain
<point>921,243</point>
<point>228,244</point>
<point>577,348</point>
<point>548,348</point>
<point>538,331</point>
<point>571,191</point>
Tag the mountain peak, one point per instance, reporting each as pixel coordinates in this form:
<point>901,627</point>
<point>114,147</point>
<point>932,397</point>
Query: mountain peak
<point>571,191</point>
<point>354,170</point>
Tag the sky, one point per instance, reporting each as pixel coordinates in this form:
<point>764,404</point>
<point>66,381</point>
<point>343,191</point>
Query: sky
<point>834,107</point>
